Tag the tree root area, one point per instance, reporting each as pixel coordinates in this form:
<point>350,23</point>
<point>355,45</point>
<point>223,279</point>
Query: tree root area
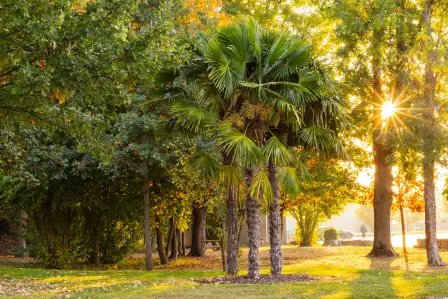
<point>265,278</point>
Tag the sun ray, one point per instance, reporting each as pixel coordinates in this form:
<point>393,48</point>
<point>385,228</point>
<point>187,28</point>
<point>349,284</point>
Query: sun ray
<point>388,109</point>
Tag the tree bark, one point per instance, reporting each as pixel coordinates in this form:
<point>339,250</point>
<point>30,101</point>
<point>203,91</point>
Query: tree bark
<point>274,223</point>
<point>97,252</point>
<point>198,230</point>
<point>232,232</point>
<point>184,251</point>
<point>429,148</point>
<point>253,228</point>
<point>170,236</point>
<point>223,253</point>
<point>148,247</point>
<point>174,249</point>
<point>232,224</point>
<point>21,231</point>
<point>282,227</point>
<point>179,241</point>
<point>403,230</point>
<point>160,249</point>
<point>382,197</point>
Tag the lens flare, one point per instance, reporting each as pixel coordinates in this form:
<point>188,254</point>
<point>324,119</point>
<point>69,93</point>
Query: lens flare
<point>388,110</point>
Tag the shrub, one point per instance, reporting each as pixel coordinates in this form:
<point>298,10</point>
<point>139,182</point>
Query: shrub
<point>305,238</point>
<point>331,234</point>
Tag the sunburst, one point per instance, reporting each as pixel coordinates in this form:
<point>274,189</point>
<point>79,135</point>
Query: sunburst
<point>390,112</point>
<point>388,109</point>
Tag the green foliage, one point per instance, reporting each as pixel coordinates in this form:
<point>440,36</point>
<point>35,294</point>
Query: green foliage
<point>331,186</point>
<point>331,234</point>
<point>64,64</point>
<point>305,238</point>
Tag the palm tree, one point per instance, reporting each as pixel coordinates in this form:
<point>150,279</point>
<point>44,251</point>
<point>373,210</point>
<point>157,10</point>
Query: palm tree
<point>276,90</point>
<point>255,92</point>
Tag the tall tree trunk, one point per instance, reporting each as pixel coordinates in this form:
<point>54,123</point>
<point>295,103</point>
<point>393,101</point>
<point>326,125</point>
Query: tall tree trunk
<point>253,228</point>
<point>21,231</point>
<point>274,223</point>
<point>429,148</point>
<point>174,250</point>
<point>148,247</point>
<point>403,230</point>
<point>198,229</point>
<point>170,236</point>
<point>382,197</point>
<point>97,251</point>
<point>179,241</point>
<point>160,249</point>
<point>184,251</point>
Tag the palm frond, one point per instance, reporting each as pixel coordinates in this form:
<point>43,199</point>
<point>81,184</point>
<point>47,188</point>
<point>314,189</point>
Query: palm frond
<point>253,35</point>
<point>289,181</point>
<point>261,187</point>
<point>276,151</point>
<point>191,117</point>
<point>322,140</point>
<point>220,73</point>
<point>230,176</point>
<point>244,151</point>
<point>206,164</point>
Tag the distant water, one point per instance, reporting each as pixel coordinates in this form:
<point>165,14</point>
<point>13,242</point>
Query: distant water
<point>411,239</point>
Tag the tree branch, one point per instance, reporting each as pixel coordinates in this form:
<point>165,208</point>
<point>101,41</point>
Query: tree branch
<point>43,119</point>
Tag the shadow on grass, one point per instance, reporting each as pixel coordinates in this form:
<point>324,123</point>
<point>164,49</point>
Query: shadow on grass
<point>374,282</point>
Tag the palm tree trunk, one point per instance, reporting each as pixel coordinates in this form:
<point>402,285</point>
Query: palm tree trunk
<point>232,224</point>
<point>274,223</point>
<point>429,151</point>
<point>148,247</point>
<point>253,228</point>
<point>232,232</point>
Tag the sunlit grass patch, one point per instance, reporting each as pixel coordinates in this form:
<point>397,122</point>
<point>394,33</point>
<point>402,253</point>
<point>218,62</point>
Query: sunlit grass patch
<point>341,272</point>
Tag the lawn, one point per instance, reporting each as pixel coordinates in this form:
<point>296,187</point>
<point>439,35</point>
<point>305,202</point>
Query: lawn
<point>341,272</point>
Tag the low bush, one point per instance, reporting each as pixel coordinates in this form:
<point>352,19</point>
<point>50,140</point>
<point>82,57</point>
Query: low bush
<point>331,234</point>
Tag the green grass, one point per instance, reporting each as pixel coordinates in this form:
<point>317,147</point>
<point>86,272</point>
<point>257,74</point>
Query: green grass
<point>342,272</point>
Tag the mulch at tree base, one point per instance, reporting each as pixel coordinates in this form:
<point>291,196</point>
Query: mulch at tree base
<point>265,278</point>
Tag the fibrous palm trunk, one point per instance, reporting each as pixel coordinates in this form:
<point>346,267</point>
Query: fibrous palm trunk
<point>232,232</point>
<point>253,228</point>
<point>232,224</point>
<point>274,223</point>
<point>429,152</point>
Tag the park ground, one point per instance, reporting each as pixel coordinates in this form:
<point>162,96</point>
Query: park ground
<point>340,272</point>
